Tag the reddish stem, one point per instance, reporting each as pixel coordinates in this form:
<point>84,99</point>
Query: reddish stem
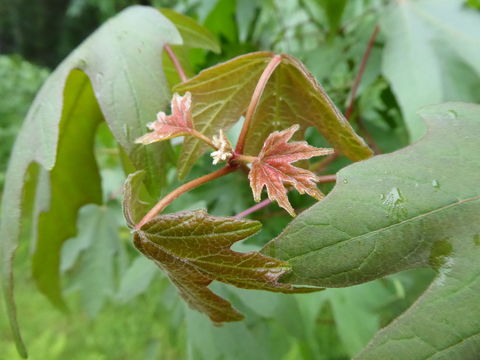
<point>167,200</point>
<point>322,180</point>
<point>359,76</point>
<point>254,208</point>
<point>262,82</point>
<point>202,137</point>
<point>176,63</point>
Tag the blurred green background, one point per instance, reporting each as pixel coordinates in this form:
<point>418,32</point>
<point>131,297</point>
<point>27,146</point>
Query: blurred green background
<point>136,313</point>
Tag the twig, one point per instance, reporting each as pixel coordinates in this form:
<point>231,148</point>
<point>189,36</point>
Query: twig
<point>176,63</point>
<point>163,203</point>
<point>361,70</point>
<point>323,180</point>
<point>254,208</point>
<point>257,93</point>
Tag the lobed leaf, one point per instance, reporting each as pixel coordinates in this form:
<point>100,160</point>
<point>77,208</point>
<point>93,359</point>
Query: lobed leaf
<point>127,87</point>
<point>74,177</point>
<point>221,94</point>
<point>416,207</point>
<point>272,169</point>
<point>292,96</point>
<point>193,248</point>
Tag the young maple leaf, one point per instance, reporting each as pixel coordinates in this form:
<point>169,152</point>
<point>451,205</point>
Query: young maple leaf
<point>273,168</point>
<point>193,248</point>
<point>167,126</point>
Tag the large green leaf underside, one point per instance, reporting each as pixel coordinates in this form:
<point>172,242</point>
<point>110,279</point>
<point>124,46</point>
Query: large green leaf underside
<point>221,94</point>
<point>293,96</point>
<point>115,74</point>
<point>129,84</point>
<point>416,207</point>
<point>432,54</point>
<point>73,182</point>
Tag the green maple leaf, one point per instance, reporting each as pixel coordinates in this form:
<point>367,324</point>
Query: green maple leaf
<point>193,248</point>
<point>221,94</point>
<point>416,207</point>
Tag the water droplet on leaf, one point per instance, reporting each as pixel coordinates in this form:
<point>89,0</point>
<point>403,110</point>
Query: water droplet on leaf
<point>393,201</point>
<point>394,197</point>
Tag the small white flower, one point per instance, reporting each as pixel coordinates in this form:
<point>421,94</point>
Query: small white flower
<point>224,149</point>
<point>218,156</point>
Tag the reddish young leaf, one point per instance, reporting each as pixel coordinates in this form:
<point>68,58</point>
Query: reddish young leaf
<point>273,168</point>
<point>168,126</point>
<point>193,248</point>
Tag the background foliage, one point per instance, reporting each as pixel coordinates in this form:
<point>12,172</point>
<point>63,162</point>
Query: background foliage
<point>427,52</point>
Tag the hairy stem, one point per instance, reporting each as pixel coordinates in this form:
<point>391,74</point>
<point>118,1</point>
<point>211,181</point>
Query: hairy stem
<point>205,139</point>
<point>176,63</point>
<point>167,200</point>
<point>322,180</point>
<point>262,82</point>
<point>244,158</point>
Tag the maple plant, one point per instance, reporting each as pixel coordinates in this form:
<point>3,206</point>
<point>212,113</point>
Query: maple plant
<point>201,253</point>
<point>376,221</point>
